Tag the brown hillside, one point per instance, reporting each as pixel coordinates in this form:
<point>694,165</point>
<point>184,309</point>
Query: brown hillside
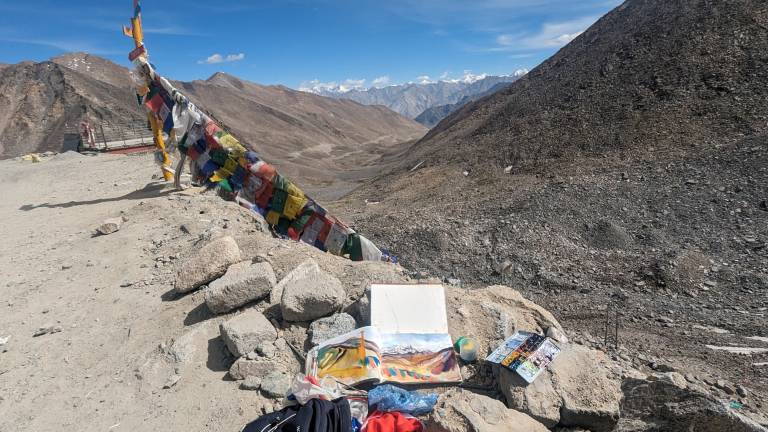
<point>651,74</point>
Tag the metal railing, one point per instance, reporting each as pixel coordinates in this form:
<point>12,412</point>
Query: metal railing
<point>106,136</point>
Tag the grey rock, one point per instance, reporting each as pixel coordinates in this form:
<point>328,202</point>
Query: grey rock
<point>243,283</point>
<point>110,226</point>
<point>574,391</point>
<point>206,264</point>
<point>251,383</point>
<point>459,410</point>
<point>670,407</point>
<point>243,368</point>
<point>246,331</point>
<point>276,384</point>
<point>724,386</point>
<point>454,282</point>
<point>492,314</point>
<point>172,381</point>
<point>309,293</point>
<point>362,308</point>
<point>47,330</point>
<point>281,345</point>
<point>266,350</point>
<point>330,327</point>
<point>740,390</point>
<point>557,334</point>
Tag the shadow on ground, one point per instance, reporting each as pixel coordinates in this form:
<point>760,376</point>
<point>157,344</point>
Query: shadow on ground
<point>219,359</point>
<point>151,190</point>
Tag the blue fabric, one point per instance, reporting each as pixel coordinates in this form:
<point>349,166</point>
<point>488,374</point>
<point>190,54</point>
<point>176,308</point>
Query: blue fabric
<point>168,124</point>
<point>200,145</point>
<point>320,245</point>
<point>390,398</point>
<point>209,168</point>
<point>252,157</point>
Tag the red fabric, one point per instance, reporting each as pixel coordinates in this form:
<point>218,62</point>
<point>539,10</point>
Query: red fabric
<point>156,103</point>
<point>379,421</point>
<point>327,224</point>
<point>211,130</point>
<point>264,194</point>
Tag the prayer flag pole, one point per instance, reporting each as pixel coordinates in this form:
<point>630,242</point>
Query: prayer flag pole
<point>137,34</point>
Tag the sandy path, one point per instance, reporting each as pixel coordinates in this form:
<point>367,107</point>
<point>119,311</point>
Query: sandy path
<point>105,370</point>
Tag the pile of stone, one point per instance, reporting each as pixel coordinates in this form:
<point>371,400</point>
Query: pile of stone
<point>276,322</point>
<point>307,296</point>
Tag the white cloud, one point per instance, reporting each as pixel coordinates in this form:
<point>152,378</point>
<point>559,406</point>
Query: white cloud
<point>381,81</point>
<point>551,35</point>
<point>218,58</point>
<point>316,86</point>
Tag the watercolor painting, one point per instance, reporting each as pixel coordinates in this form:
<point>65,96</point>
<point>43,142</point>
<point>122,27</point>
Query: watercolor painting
<point>410,358</point>
<point>352,358</point>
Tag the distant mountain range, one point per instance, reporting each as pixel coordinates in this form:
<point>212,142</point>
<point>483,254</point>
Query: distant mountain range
<point>432,116</point>
<point>411,100</point>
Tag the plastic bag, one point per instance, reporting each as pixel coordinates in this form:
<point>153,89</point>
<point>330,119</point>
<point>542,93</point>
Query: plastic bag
<point>390,398</point>
<point>306,387</point>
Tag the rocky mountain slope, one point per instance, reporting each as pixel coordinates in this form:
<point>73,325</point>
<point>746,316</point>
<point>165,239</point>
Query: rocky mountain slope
<point>411,100</point>
<point>40,101</point>
<point>662,75</point>
<point>309,137</point>
<point>622,183</point>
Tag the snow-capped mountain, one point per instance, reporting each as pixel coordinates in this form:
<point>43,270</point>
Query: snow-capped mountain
<point>412,99</point>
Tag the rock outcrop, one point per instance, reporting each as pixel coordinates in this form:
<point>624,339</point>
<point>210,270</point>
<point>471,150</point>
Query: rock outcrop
<point>574,391</point>
<point>665,402</point>
<point>492,314</point>
<point>246,331</point>
<point>206,264</point>
<point>459,410</point>
<point>242,283</point>
<point>330,327</point>
<point>308,293</point>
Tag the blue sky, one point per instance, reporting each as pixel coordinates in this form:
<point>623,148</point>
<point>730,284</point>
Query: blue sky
<point>300,43</point>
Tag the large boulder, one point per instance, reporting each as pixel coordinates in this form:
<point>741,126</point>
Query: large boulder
<point>664,402</point>
<point>574,391</point>
<point>206,264</point>
<point>459,410</point>
<point>243,368</point>
<point>246,331</point>
<point>330,327</point>
<point>308,293</point>
<point>242,283</point>
<point>492,314</point>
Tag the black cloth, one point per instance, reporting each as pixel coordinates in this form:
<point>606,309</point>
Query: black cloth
<point>315,416</point>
